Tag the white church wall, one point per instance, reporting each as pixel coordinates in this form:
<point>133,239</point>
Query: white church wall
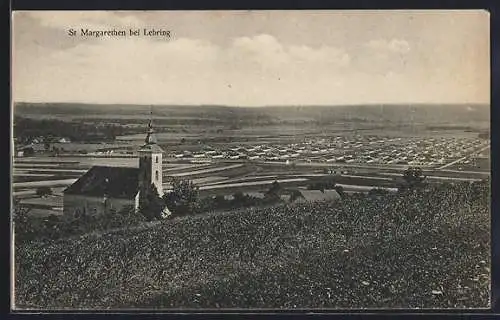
<point>136,202</point>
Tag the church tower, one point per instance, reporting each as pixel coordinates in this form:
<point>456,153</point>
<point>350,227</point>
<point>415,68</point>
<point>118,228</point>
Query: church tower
<point>150,162</point>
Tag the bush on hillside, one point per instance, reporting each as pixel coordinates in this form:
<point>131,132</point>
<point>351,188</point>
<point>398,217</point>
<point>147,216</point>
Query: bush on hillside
<point>151,204</point>
<point>56,227</point>
<point>183,199</point>
<point>413,178</point>
<point>323,184</point>
<point>273,194</point>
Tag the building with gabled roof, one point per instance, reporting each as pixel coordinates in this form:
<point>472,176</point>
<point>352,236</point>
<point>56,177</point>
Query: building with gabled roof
<point>104,189</point>
<point>304,195</point>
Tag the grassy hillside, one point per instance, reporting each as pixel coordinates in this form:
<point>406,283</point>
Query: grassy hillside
<point>422,249</point>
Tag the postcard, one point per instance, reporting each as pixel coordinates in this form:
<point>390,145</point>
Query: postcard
<point>251,160</point>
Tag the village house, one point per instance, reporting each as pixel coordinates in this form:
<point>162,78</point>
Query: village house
<point>303,195</point>
<point>30,150</point>
<point>103,189</point>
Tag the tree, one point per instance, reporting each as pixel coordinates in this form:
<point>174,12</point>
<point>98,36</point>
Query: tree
<point>55,151</point>
<point>29,151</point>
<point>43,191</point>
<point>239,198</point>
<point>206,204</point>
<point>340,191</point>
<point>273,194</point>
<point>150,203</point>
<point>24,228</point>
<point>413,178</point>
<point>294,195</point>
<point>220,201</point>
<point>183,199</point>
<point>328,182</point>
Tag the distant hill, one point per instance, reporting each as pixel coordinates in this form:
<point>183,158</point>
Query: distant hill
<point>418,113</point>
<point>425,113</point>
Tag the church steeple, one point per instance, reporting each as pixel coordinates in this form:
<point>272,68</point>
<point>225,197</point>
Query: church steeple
<point>150,161</point>
<point>150,137</point>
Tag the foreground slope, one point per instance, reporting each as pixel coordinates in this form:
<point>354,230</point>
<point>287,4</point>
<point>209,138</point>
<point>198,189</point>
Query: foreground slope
<point>421,249</point>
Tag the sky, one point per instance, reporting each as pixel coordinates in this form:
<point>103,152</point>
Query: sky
<point>253,58</point>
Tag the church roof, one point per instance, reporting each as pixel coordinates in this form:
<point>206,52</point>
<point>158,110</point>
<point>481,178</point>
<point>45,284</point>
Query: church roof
<point>151,148</point>
<point>151,142</point>
<point>115,182</point>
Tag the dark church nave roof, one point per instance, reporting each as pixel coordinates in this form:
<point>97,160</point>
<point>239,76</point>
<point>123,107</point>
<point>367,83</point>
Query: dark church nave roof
<point>115,182</point>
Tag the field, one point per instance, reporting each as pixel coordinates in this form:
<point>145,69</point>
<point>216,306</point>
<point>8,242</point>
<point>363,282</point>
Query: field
<point>213,177</point>
<point>414,250</point>
<point>386,252</point>
<point>227,176</point>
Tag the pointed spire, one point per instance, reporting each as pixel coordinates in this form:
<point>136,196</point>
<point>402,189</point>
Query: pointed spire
<point>150,137</point>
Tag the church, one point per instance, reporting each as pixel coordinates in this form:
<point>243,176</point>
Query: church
<point>104,188</point>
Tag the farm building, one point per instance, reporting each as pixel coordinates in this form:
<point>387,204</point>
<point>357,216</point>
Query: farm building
<point>30,150</point>
<point>105,188</point>
<point>315,195</point>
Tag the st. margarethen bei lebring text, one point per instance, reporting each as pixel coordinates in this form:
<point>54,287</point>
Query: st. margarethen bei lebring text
<point>136,32</point>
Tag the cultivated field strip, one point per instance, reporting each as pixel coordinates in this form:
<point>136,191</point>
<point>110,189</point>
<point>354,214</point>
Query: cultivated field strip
<point>439,177</point>
<point>56,170</point>
<point>209,180</point>
<point>211,170</point>
<point>38,175</point>
<point>183,167</point>
<point>49,183</point>
<point>253,183</point>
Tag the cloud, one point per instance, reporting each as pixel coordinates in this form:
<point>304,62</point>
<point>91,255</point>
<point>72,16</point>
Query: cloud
<point>103,20</point>
<point>392,46</point>
<point>243,69</point>
<point>263,49</point>
<point>267,51</point>
<point>250,70</point>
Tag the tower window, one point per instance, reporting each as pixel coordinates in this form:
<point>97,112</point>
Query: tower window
<point>156,159</point>
<point>156,175</point>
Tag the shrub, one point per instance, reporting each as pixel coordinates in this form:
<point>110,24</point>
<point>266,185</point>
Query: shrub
<point>183,199</point>
<point>413,178</point>
<point>322,184</point>
<point>150,203</point>
<point>273,194</point>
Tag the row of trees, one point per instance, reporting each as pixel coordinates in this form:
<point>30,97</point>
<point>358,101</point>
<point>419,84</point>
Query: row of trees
<point>184,199</point>
<point>26,129</point>
<point>412,178</point>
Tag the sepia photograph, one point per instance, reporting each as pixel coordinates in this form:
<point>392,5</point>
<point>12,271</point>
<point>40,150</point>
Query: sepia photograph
<point>250,160</point>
